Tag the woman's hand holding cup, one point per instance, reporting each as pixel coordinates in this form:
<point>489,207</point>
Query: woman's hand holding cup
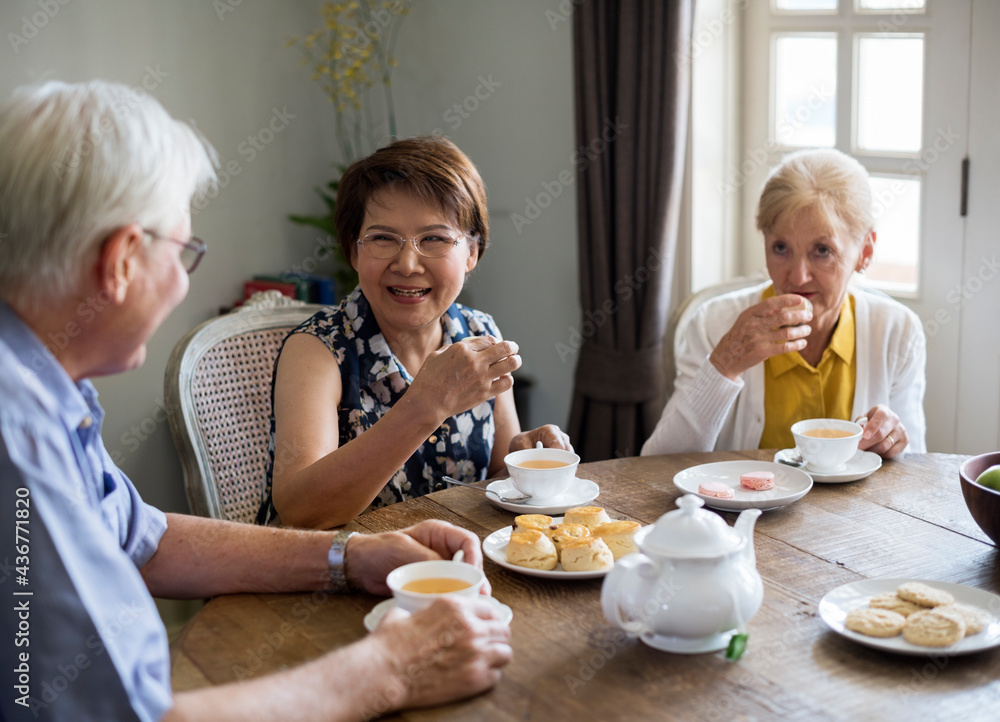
<point>774,326</point>
<point>463,375</point>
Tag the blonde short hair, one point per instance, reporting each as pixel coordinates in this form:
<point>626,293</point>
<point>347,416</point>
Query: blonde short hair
<point>78,161</point>
<point>825,181</point>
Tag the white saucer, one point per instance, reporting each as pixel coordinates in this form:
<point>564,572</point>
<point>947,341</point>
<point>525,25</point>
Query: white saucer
<point>373,617</point>
<point>863,464</point>
<point>580,493</point>
<point>495,549</point>
<point>838,603</point>
<point>682,645</point>
<point>789,484</point>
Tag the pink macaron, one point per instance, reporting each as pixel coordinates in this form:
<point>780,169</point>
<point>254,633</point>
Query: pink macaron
<point>716,489</point>
<point>757,480</point>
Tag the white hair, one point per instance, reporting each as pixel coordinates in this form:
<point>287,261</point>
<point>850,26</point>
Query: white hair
<point>77,162</point>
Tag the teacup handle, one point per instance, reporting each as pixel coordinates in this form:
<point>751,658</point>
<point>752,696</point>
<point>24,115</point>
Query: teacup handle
<point>630,568</point>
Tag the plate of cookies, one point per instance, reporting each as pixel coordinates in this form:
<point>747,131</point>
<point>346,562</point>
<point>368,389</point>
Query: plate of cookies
<point>914,617</point>
<point>738,485</point>
<point>583,544</point>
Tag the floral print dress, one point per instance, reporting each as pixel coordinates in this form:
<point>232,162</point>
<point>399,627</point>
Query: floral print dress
<point>373,379</point>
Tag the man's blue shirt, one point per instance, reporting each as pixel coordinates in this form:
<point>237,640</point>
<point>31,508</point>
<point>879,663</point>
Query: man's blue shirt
<point>82,639</point>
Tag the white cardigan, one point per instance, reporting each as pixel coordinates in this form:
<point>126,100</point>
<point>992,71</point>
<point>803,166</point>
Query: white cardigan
<point>709,412</point>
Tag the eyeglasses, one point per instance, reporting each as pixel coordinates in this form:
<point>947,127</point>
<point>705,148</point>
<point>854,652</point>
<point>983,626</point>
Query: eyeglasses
<point>193,249</point>
<point>384,245</point>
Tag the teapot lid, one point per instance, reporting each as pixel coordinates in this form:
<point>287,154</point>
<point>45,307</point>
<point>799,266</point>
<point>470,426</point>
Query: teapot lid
<point>691,532</point>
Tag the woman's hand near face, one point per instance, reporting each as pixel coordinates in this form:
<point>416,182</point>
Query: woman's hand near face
<point>883,432</point>
<point>766,329</point>
<point>465,374</point>
<point>551,436</point>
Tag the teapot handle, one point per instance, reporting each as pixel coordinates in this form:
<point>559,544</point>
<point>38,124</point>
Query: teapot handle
<point>616,584</point>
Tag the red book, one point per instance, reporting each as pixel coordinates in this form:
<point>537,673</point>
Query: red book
<point>252,287</point>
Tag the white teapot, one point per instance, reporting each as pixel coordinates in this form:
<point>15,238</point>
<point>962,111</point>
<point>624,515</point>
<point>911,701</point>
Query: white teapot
<point>694,584</point>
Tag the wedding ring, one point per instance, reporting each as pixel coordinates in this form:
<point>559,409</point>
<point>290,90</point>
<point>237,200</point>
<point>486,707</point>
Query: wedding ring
<point>891,442</point>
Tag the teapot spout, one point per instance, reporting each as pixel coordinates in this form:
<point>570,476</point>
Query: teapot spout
<point>744,527</point>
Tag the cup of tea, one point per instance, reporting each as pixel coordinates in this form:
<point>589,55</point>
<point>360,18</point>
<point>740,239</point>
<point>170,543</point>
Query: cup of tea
<point>826,444</point>
<point>415,586</point>
<point>542,473</point>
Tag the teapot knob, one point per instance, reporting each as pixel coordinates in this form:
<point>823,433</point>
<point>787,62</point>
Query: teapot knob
<point>689,503</point>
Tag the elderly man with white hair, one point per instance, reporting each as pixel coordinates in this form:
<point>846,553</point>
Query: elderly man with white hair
<point>95,251</point>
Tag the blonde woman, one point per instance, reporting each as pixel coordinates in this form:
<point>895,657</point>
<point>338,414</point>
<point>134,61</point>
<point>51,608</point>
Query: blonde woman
<point>755,361</point>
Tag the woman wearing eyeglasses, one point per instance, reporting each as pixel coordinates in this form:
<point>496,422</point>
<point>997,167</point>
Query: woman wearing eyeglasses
<point>376,399</point>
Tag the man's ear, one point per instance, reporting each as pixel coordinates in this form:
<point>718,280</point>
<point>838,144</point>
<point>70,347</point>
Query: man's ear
<point>116,264</point>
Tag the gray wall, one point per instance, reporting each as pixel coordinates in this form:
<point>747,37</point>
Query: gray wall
<point>230,72</point>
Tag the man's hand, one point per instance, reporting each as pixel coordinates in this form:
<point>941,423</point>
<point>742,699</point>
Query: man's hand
<point>370,557</point>
<point>450,650</point>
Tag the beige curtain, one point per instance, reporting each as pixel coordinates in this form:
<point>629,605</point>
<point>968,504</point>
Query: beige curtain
<point>632,80</point>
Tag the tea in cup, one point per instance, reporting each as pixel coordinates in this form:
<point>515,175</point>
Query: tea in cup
<point>415,586</point>
<point>826,444</point>
<point>543,473</point>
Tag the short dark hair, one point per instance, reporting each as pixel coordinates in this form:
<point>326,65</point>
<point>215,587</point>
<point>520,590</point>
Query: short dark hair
<point>429,166</point>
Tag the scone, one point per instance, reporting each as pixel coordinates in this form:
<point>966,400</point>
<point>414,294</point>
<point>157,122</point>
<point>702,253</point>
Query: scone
<point>619,536</point>
<point>875,622</point>
<point>589,554</point>
<point>931,628</point>
<point>590,516</point>
<point>894,603</point>
<point>924,594</point>
<point>532,549</point>
<point>567,532</point>
<point>539,522</point>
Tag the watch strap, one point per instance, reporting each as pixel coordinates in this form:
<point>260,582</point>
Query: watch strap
<point>337,561</point>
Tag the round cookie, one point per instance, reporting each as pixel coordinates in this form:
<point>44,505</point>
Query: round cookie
<point>893,602</point>
<point>924,594</point>
<point>931,628</point>
<point>875,622</point>
<point>975,619</point>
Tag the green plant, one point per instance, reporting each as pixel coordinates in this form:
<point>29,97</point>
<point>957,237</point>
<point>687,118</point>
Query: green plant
<point>351,56</point>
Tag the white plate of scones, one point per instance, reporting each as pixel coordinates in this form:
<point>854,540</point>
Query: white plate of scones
<point>914,616</point>
<point>583,544</point>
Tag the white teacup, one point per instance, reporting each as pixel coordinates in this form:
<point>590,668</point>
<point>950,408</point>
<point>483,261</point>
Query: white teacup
<point>441,578</point>
<point>826,444</point>
<point>543,473</point>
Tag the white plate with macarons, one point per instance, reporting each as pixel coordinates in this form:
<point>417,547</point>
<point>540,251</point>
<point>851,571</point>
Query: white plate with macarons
<point>789,484</point>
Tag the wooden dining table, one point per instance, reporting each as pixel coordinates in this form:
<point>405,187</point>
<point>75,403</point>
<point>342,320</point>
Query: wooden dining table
<point>907,520</point>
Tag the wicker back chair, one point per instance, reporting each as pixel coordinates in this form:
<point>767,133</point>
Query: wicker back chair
<point>218,398</point>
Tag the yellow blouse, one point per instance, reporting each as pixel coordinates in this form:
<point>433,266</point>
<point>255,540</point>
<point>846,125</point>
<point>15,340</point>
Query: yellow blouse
<point>794,390</point>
